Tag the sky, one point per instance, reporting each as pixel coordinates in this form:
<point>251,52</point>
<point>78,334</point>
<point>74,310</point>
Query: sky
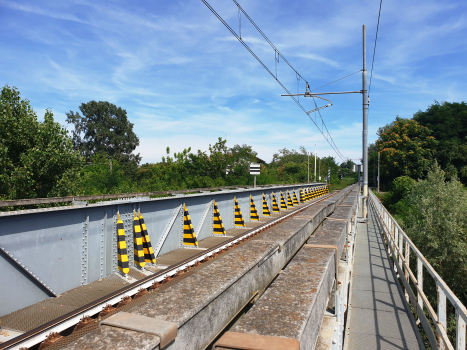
<point>185,80</point>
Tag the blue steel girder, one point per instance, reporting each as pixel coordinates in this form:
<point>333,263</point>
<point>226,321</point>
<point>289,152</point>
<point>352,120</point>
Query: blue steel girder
<point>66,247</point>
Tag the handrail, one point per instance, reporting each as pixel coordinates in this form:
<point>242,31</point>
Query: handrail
<point>400,247</point>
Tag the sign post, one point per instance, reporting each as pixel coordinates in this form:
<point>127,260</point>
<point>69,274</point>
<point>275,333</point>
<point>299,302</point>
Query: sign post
<point>255,169</point>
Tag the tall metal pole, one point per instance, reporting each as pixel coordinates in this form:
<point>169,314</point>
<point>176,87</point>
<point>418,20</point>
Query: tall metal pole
<point>315,162</point>
<point>308,166</point>
<point>378,172</point>
<point>365,126</point>
<point>319,178</point>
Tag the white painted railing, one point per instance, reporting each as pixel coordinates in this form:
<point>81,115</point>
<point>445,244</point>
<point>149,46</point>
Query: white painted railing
<point>400,247</point>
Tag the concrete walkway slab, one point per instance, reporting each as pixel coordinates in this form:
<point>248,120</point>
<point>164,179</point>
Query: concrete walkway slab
<point>378,317</point>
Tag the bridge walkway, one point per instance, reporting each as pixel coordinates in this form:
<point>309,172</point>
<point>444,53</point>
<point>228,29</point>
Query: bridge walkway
<point>379,317</point>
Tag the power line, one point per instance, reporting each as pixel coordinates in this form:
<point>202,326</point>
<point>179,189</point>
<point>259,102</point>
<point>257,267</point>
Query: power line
<point>326,136</point>
<point>374,49</point>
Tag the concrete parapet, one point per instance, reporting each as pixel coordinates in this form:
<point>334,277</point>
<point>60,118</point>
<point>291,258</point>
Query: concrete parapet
<point>293,306</point>
<point>332,232</point>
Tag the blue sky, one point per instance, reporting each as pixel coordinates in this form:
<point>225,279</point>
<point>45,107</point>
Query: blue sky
<point>185,80</point>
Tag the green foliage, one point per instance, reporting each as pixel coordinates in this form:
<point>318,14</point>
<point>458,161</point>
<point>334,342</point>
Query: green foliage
<point>437,224</point>
<point>448,121</point>
<point>37,159</point>
<point>395,200</point>
<point>99,179</point>
<point>104,129</point>
<point>406,148</point>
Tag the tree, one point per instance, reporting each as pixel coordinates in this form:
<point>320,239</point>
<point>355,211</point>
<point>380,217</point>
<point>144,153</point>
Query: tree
<point>448,121</point>
<point>104,130</point>
<point>436,223</point>
<point>37,159</point>
<point>406,148</point>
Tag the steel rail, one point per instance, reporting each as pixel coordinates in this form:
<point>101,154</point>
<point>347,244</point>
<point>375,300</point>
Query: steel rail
<point>39,334</point>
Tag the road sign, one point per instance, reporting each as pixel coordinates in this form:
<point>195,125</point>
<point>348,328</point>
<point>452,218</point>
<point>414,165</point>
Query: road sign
<point>255,169</point>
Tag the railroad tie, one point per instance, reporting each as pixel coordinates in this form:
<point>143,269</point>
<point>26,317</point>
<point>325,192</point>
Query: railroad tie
<point>289,200</point>
<point>189,235</point>
<point>218,226</point>
<point>138,243</point>
<point>275,206</point>
<point>266,211</point>
<point>123,264</point>
<point>238,215</point>
<point>302,196</point>
<point>283,205</point>
<point>295,199</point>
<point>149,256</point>
<point>253,212</point>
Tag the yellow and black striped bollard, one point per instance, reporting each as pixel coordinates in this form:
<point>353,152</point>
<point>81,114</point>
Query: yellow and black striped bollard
<point>123,264</point>
<point>218,225</point>
<point>238,215</point>
<point>189,235</point>
<point>147,246</point>
<point>138,251</point>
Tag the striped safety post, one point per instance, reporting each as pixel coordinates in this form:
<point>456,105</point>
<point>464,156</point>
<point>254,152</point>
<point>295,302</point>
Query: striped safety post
<point>189,235</point>
<point>275,206</point>
<point>122,251</point>
<point>302,196</point>
<point>218,225</point>
<point>308,194</point>
<point>138,243</point>
<point>266,211</point>
<point>295,199</point>
<point>149,256</point>
<point>238,215</point>
<point>289,200</point>
<point>283,205</point>
<point>253,212</point>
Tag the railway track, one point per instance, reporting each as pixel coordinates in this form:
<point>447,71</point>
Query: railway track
<point>32,339</point>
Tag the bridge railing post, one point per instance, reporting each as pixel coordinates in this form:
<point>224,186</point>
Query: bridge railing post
<point>441,315</point>
<point>460,331</point>
<point>420,283</point>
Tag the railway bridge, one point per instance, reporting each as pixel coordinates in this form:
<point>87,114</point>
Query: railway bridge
<point>274,267</point>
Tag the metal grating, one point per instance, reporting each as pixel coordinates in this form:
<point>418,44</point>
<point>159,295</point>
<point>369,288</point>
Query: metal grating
<point>212,241</point>
<point>177,255</point>
<point>38,314</point>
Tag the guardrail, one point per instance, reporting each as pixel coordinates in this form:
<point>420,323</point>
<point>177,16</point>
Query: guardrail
<point>69,199</point>
<point>400,247</point>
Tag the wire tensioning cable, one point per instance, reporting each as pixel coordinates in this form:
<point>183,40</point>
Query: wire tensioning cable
<point>327,137</point>
<point>336,80</point>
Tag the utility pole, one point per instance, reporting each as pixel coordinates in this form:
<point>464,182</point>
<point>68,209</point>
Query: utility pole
<point>319,179</point>
<point>365,127</point>
<point>378,172</point>
<point>308,154</point>
<point>315,162</point>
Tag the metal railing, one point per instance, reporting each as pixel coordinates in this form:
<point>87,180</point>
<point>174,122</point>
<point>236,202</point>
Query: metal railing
<point>401,247</point>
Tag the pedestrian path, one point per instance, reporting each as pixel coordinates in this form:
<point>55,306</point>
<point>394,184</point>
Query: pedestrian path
<point>378,315</point>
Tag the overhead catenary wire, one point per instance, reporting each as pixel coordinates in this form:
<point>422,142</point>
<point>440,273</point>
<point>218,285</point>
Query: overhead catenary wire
<point>374,49</point>
<point>327,137</point>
